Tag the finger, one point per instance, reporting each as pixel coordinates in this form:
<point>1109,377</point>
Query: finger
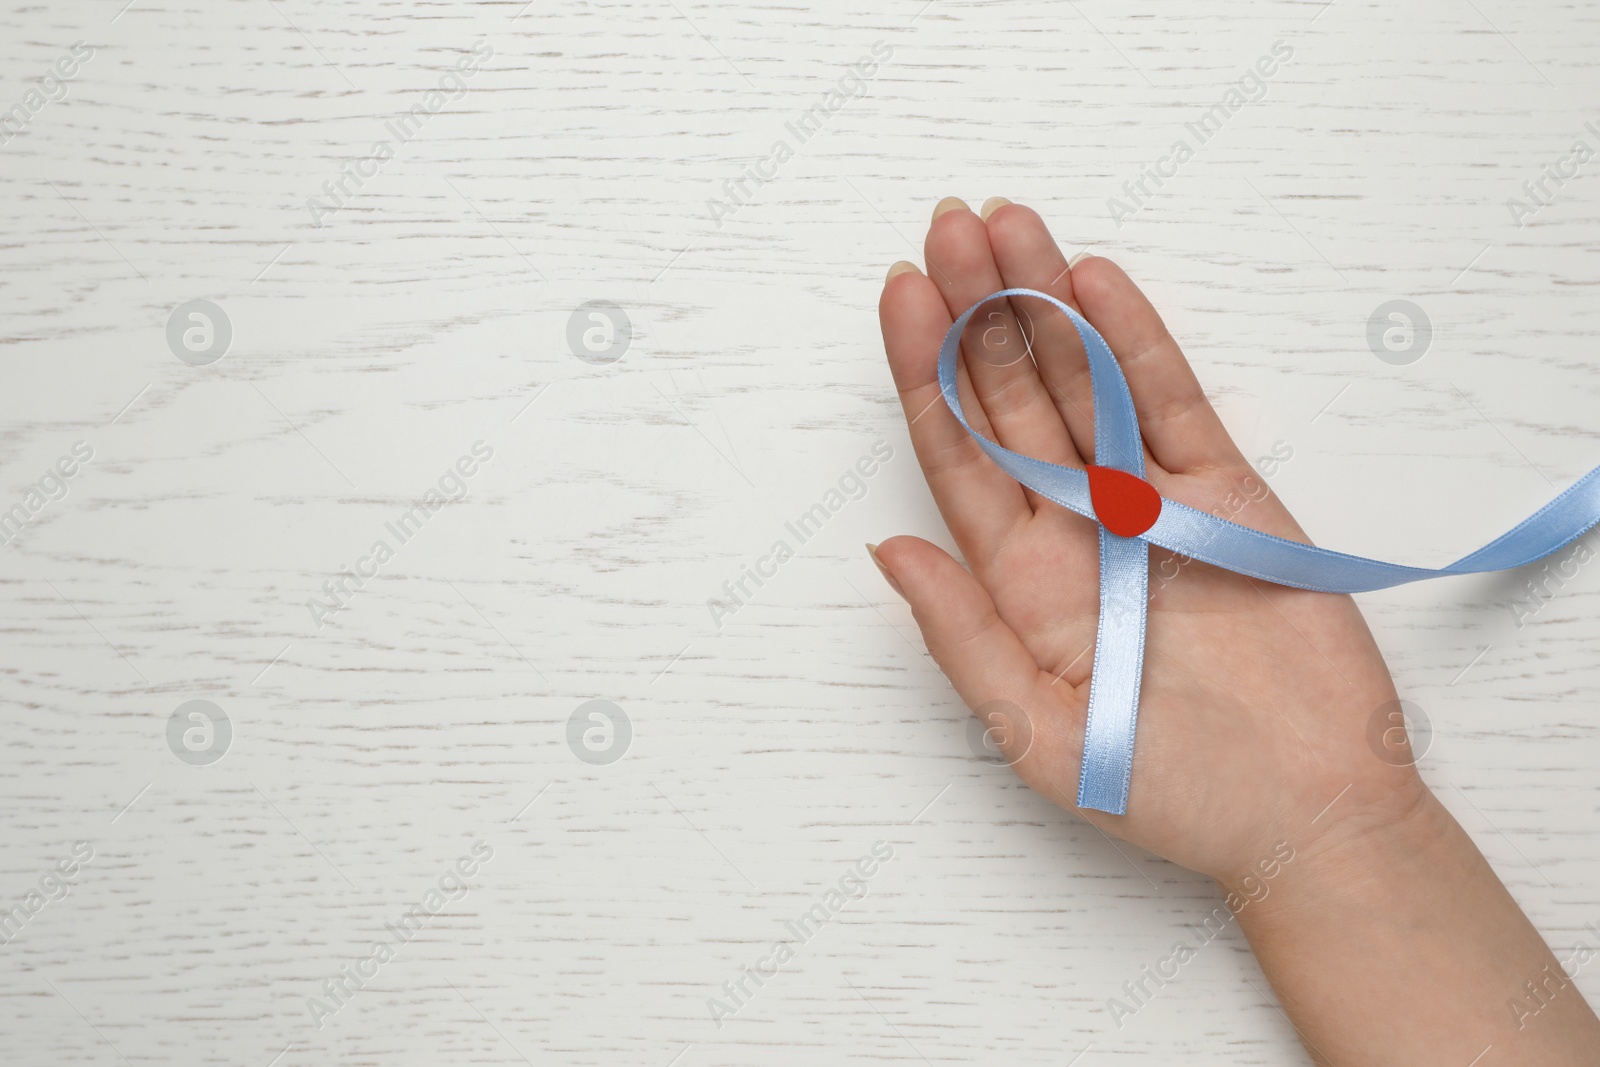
<point>1038,727</point>
<point>1180,427</point>
<point>1028,258</point>
<point>994,345</point>
<point>980,503</point>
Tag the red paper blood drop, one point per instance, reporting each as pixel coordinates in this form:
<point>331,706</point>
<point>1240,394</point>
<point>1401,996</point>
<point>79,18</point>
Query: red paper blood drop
<point>1125,504</point>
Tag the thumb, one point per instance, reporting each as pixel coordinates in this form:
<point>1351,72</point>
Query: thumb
<point>982,656</point>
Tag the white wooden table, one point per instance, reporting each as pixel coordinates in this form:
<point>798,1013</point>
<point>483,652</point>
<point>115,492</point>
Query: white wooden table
<point>380,333</point>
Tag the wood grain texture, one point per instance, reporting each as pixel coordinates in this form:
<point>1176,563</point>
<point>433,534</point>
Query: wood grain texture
<point>772,750</point>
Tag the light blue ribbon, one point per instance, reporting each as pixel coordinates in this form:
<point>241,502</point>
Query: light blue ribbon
<point>1124,561</point>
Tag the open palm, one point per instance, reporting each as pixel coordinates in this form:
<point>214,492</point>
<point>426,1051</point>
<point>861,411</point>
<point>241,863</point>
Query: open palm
<point>1257,698</point>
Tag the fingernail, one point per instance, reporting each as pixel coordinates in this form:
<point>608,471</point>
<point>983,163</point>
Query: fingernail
<point>900,268</point>
<point>991,205</point>
<point>872,550</point>
<point>1079,258</point>
<point>950,203</point>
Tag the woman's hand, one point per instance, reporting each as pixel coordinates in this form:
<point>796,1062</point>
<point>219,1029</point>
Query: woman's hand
<point>1257,699</point>
<point>1265,743</point>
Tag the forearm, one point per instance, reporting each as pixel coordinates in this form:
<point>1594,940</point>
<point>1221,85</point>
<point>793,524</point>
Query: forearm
<point>1396,944</point>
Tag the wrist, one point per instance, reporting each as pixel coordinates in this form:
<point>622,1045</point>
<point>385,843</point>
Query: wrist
<point>1390,942</point>
<point>1347,852</point>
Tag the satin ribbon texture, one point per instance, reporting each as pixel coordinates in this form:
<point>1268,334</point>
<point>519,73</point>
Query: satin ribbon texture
<point>1132,516</point>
